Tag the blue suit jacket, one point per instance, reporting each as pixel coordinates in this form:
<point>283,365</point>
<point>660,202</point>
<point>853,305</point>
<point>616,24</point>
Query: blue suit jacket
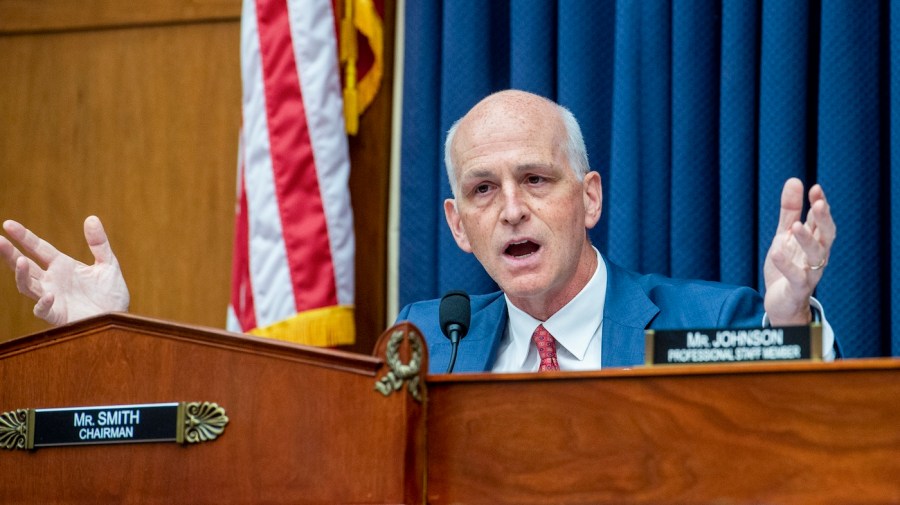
<point>634,302</point>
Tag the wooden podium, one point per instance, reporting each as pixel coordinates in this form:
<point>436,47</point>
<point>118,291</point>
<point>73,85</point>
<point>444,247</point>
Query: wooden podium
<point>308,426</point>
<point>305,425</point>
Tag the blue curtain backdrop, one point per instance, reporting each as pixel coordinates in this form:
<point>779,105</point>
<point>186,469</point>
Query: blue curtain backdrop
<point>694,113</point>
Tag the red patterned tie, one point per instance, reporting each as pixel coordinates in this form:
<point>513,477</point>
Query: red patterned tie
<point>546,346</point>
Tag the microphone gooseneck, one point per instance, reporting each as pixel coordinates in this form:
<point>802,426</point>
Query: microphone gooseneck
<point>455,314</point>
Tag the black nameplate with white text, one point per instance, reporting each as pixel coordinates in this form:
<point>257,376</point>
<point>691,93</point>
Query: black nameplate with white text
<point>696,346</point>
<point>180,422</point>
<point>106,425</point>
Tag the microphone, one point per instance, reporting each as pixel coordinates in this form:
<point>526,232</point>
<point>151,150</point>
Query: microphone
<point>455,313</point>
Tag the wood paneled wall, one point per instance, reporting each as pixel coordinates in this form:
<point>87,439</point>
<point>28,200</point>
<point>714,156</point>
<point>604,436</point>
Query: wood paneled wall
<point>131,111</point>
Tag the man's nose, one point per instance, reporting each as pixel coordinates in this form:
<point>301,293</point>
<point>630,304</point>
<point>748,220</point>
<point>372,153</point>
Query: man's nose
<point>514,210</point>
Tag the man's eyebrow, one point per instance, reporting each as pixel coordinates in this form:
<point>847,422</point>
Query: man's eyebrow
<point>476,173</point>
<point>526,167</point>
<point>483,173</point>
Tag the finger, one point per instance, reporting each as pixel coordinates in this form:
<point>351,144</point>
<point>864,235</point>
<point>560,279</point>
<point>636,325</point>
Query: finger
<point>816,193</point>
<point>31,243</point>
<point>816,253</point>
<point>97,240</point>
<point>820,211</point>
<point>44,309</point>
<point>791,203</point>
<point>9,253</point>
<point>27,278</point>
<point>9,224</point>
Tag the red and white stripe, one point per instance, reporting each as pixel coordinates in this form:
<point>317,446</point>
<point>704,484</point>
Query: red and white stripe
<point>294,215</point>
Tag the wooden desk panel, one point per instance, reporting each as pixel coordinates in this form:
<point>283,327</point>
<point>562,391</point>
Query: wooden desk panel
<point>787,433</point>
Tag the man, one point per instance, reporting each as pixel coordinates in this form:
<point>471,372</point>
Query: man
<point>523,202</point>
<point>524,199</point>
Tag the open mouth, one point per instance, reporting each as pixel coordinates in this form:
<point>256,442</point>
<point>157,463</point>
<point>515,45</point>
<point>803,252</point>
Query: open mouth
<point>521,249</point>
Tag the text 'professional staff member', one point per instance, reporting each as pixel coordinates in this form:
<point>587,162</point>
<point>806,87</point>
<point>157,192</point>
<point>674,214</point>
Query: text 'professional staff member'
<point>524,198</point>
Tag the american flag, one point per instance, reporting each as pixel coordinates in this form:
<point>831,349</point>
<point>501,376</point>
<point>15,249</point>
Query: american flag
<point>294,245</point>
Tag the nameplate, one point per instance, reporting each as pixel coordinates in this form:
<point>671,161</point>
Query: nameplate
<point>106,425</point>
<point>740,345</point>
<point>181,422</point>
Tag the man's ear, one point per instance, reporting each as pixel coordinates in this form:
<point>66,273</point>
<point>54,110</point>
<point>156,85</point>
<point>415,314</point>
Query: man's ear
<point>592,193</point>
<point>455,224</point>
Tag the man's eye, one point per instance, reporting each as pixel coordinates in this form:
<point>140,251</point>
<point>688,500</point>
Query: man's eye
<point>535,179</point>
<point>482,188</point>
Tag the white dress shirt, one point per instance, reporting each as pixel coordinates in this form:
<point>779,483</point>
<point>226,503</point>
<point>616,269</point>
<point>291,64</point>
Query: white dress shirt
<point>577,328</point>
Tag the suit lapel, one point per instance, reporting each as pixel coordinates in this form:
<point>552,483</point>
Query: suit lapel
<point>627,312</point>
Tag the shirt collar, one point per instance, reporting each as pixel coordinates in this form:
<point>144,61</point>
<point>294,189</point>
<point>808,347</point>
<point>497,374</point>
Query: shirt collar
<point>573,326</point>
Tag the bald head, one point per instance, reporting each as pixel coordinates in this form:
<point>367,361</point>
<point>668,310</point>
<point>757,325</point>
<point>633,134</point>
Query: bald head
<point>520,111</point>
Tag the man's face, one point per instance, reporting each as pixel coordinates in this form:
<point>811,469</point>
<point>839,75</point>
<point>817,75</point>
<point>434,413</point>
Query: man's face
<point>520,208</point>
